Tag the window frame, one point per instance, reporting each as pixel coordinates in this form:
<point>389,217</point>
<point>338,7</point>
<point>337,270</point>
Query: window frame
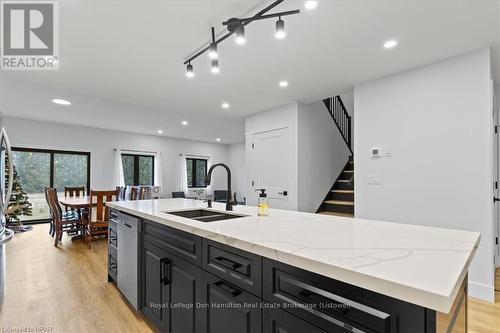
<point>136,168</point>
<point>52,168</point>
<point>193,170</point>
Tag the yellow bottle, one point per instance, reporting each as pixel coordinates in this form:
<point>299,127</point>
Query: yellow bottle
<point>263,204</point>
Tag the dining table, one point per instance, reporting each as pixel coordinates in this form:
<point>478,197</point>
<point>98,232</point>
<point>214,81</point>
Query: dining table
<point>76,203</point>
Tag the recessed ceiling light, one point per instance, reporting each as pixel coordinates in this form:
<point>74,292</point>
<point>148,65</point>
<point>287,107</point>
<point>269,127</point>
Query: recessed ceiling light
<point>390,44</point>
<point>218,139</point>
<point>61,101</point>
<point>184,122</point>
<point>225,105</point>
<point>160,131</point>
<point>311,5</point>
<point>283,84</point>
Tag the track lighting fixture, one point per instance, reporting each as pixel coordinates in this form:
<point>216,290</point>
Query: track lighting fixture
<point>236,26</point>
<point>212,50</point>
<point>189,70</point>
<point>215,66</point>
<point>240,35</point>
<point>280,29</point>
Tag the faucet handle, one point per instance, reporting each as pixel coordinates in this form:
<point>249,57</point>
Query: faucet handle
<point>235,200</point>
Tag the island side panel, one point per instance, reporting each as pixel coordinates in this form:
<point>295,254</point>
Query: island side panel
<point>456,320</point>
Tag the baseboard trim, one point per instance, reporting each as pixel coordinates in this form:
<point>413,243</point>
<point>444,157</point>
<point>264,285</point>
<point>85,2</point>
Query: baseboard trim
<point>482,291</point>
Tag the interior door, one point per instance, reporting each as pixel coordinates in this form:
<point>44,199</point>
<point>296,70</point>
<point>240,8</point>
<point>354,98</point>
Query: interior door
<point>271,166</point>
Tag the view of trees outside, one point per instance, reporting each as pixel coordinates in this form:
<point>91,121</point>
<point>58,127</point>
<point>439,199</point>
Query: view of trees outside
<point>189,167</point>
<point>146,170</point>
<point>144,166</point>
<point>69,170</point>
<point>34,173</point>
<point>201,173</point>
<point>200,166</point>
<point>128,169</point>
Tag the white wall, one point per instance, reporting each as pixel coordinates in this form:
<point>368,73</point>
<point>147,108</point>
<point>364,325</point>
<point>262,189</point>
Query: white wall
<point>237,163</point>
<point>281,117</point>
<point>437,123</point>
<point>100,143</point>
<point>322,154</point>
<point>318,151</point>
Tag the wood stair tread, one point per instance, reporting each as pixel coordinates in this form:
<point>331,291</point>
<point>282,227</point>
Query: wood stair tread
<point>340,202</point>
<point>336,214</point>
<point>348,171</point>
<point>343,191</point>
<point>343,180</point>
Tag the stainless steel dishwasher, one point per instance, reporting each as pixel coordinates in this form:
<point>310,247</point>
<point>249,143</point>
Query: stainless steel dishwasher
<point>128,233</point>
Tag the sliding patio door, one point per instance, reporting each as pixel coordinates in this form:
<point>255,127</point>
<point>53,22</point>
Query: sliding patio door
<point>39,168</point>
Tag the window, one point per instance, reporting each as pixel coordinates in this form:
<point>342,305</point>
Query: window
<point>40,168</point>
<point>196,172</point>
<point>138,169</point>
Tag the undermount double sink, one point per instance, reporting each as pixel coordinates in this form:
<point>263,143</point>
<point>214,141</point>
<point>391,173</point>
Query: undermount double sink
<point>205,215</point>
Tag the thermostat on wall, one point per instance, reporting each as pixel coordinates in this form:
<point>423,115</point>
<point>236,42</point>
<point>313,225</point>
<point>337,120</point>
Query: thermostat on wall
<point>376,152</point>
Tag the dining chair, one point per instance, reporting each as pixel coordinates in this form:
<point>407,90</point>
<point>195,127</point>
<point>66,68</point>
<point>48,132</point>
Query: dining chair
<point>178,194</point>
<point>145,193</point>
<point>96,217</point>
<point>61,222</point>
<point>120,193</point>
<point>220,195</point>
<point>156,192</point>
<point>134,192</point>
<point>74,191</point>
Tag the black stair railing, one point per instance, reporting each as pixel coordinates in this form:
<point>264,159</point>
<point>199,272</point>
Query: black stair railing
<point>342,119</point>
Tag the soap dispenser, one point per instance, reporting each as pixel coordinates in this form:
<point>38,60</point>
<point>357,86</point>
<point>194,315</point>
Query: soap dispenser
<point>263,204</point>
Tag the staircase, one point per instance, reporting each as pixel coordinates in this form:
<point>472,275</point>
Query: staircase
<point>340,200</point>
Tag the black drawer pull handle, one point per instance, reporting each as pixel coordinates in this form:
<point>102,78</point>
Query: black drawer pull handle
<point>228,262</point>
<point>127,225</point>
<point>339,307</point>
<point>165,272</point>
<point>227,288</point>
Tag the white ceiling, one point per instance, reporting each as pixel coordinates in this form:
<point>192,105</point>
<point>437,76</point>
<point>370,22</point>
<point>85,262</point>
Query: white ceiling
<point>121,62</point>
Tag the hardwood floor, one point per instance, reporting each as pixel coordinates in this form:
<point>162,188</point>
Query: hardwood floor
<point>65,289</point>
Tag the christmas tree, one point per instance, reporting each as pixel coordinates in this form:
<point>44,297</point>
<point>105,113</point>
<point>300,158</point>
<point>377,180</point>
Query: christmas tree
<point>18,203</point>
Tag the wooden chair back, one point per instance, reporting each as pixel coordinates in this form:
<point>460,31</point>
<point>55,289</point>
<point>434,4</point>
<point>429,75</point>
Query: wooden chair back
<point>134,192</point>
<point>145,193</point>
<point>98,201</point>
<point>53,202</point>
<point>74,191</point>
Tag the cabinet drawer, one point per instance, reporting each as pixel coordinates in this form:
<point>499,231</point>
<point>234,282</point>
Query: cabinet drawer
<point>182,244</point>
<point>333,305</point>
<point>113,235</point>
<point>112,266</point>
<point>280,321</point>
<point>230,309</point>
<point>236,266</point>
<point>113,215</point>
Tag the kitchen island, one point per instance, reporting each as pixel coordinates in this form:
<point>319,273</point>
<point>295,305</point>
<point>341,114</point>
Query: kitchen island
<point>294,272</point>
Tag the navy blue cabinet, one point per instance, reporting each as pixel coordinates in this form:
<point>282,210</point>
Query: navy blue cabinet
<point>189,284</point>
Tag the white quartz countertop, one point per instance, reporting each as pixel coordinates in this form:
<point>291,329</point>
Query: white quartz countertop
<point>417,264</point>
